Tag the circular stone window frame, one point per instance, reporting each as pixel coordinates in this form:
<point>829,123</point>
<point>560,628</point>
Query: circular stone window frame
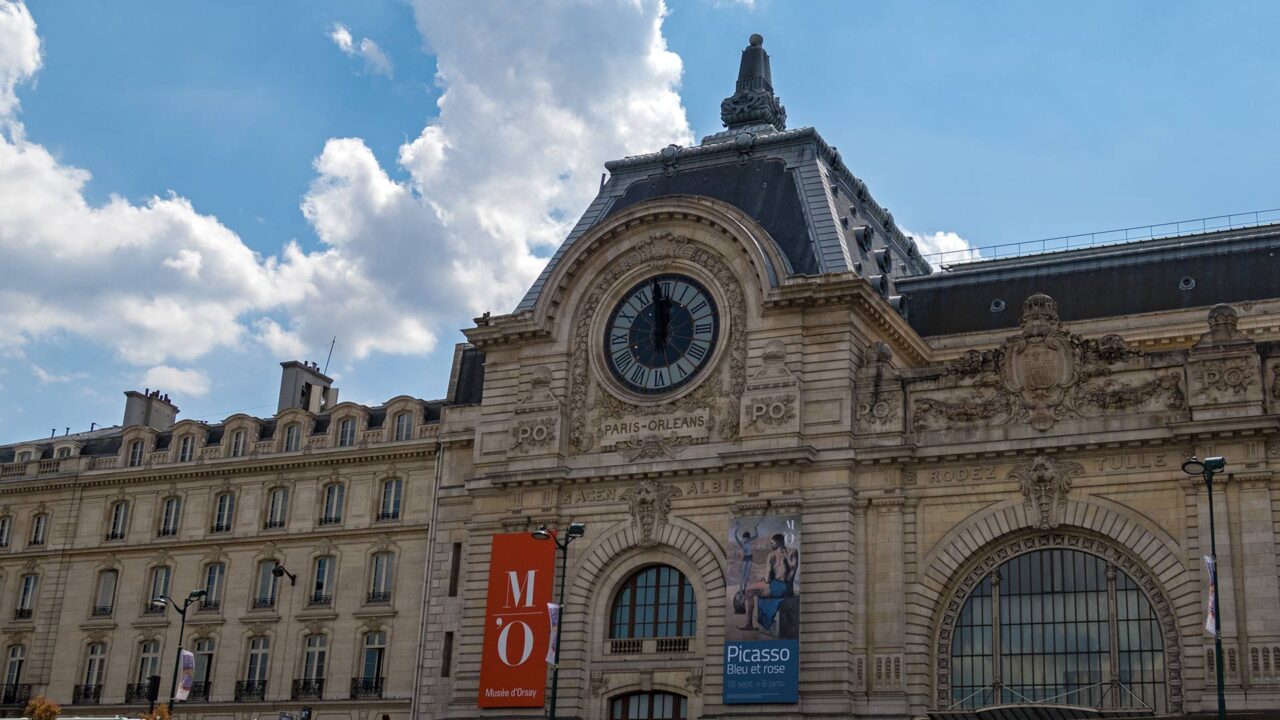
<point>996,554</point>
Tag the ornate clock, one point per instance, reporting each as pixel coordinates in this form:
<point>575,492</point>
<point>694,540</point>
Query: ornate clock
<point>661,334</point>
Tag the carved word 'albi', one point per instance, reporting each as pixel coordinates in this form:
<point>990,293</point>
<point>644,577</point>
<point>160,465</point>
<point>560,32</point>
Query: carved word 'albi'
<point>1042,375</point>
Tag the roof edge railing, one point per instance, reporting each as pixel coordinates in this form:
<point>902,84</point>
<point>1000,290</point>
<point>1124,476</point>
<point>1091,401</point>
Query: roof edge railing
<point>1118,236</point>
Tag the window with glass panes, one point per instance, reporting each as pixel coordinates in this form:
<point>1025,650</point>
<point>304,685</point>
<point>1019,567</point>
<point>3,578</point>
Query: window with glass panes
<point>375,650</point>
<point>39,528</point>
<point>292,437</point>
<point>322,579</point>
<point>1044,621</point>
<point>6,526</point>
<point>649,706</point>
<point>268,584</point>
<point>204,660</point>
<point>169,518</point>
<point>160,581</point>
<point>237,444</point>
<point>214,577</point>
<point>404,426</point>
<point>148,661</point>
<point>391,490</point>
<point>27,593</point>
<point>313,659</point>
<point>95,663</point>
<point>187,449</point>
<point>135,453</point>
<point>382,577</point>
<point>15,660</point>
<point>654,602</point>
<point>119,519</point>
<point>224,512</point>
<point>259,660</point>
<point>334,497</point>
<point>105,599</point>
<point>277,507</point>
<point>347,432</point>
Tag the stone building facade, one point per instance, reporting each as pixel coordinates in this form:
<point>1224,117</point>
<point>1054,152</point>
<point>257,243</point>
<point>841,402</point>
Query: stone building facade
<point>986,460</point>
<point>94,526</point>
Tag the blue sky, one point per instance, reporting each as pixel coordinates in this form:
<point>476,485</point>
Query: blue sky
<point>257,184</point>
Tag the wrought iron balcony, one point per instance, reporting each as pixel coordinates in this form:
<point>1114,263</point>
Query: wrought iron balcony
<point>86,694</point>
<point>199,691</point>
<point>331,520</point>
<point>209,606</point>
<point>151,609</point>
<point>220,528</point>
<point>115,535</point>
<point>247,690</point>
<point>263,603</point>
<point>36,541</point>
<point>320,600</point>
<point>15,694</point>
<point>102,610</point>
<point>167,532</point>
<point>136,692</point>
<point>22,614</point>
<point>308,689</point>
<point>389,515</point>
<point>273,524</point>
<point>366,687</point>
<point>380,596</point>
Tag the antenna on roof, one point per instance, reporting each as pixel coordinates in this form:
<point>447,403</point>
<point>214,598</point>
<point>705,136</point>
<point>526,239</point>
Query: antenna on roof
<point>330,357</point>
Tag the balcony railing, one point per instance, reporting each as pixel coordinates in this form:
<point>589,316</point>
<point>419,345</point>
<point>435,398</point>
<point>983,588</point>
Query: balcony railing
<point>312,689</point>
<point>86,694</point>
<point>263,603</point>
<point>646,646</point>
<point>220,528</point>
<point>167,532</point>
<point>210,606</point>
<point>36,541</point>
<point>391,515</point>
<point>102,610</point>
<point>151,609</point>
<point>115,535</point>
<point>22,614</point>
<point>15,694</point>
<point>380,596</point>
<point>331,520</point>
<point>273,524</point>
<point>199,691</point>
<point>250,690</point>
<point>320,600</point>
<point>366,687</point>
<point>137,692</point>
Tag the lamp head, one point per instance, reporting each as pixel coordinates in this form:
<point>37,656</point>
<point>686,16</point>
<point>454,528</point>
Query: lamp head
<point>1193,467</point>
<point>577,529</point>
<point>159,602</point>
<point>543,533</point>
<point>197,594</point>
<point>278,570</point>
<point>1215,464</point>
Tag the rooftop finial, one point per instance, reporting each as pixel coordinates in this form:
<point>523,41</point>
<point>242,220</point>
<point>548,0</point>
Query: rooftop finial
<point>753,101</point>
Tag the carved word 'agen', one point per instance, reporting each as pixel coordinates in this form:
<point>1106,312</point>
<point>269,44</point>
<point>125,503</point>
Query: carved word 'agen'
<point>587,495</point>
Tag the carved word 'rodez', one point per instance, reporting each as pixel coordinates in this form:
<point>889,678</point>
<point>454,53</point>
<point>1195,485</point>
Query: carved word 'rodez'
<point>1042,375</point>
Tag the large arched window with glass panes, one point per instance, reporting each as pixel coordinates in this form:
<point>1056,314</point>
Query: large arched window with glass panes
<point>654,602</point>
<point>1058,626</point>
<point>649,706</point>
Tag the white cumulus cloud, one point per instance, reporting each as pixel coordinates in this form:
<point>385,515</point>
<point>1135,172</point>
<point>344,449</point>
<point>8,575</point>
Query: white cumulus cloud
<point>944,247</point>
<point>19,52</point>
<point>375,60</point>
<point>190,382</point>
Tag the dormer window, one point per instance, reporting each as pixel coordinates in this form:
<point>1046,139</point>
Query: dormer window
<point>187,449</point>
<point>24,456</point>
<point>293,438</point>
<point>237,443</point>
<point>63,452</point>
<point>404,426</point>
<point>135,453</point>
<point>347,432</point>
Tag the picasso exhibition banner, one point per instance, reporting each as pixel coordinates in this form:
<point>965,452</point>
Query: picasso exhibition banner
<point>517,626</point>
<point>762,620</point>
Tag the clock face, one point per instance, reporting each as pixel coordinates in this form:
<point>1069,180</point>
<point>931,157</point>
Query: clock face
<point>661,334</point>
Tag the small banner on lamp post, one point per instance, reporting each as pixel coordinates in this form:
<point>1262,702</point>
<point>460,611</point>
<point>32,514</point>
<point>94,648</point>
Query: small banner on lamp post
<point>553,610</point>
<point>1211,616</point>
<point>187,677</point>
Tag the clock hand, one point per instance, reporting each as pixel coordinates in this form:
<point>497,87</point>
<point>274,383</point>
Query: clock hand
<point>661,313</point>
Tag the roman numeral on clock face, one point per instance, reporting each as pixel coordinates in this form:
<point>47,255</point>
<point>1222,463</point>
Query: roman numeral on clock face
<point>661,334</point>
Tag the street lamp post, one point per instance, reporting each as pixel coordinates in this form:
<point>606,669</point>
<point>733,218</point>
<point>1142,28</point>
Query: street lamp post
<point>161,601</point>
<point>1206,469</point>
<point>576,530</point>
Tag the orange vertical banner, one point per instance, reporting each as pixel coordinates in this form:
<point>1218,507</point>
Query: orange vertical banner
<point>517,628</point>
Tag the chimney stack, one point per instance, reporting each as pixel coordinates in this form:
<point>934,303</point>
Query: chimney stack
<point>152,409</point>
<point>302,385</point>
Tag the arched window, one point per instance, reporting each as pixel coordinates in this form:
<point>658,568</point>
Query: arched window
<point>655,602</point>
<point>15,659</point>
<point>277,508</point>
<point>215,575</point>
<point>105,600</point>
<point>391,492</point>
<point>148,661</point>
<point>119,520</point>
<point>404,426</point>
<point>347,432</point>
<point>39,528</point>
<point>382,578</point>
<point>334,498</point>
<point>135,453</point>
<point>1045,620</point>
<point>649,706</point>
<point>170,516</point>
<point>293,437</point>
<point>224,512</point>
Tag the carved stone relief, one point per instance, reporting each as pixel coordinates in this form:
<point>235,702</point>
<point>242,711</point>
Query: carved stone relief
<point>714,400</point>
<point>771,400</point>
<point>879,395</point>
<point>1043,375</point>
<point>1044,484</point>
<point>536,428</point>
<point>650,502</point>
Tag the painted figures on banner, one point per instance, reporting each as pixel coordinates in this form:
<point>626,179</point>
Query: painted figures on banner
<point>762,631</point>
